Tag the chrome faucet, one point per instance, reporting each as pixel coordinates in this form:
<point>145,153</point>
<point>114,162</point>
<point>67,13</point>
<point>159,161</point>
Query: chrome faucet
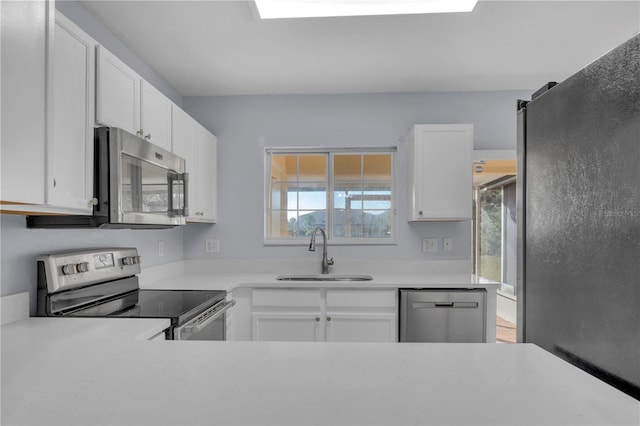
<point>312,247</point>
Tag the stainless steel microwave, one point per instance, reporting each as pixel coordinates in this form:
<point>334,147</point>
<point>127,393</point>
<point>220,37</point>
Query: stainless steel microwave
<point>136,185</point>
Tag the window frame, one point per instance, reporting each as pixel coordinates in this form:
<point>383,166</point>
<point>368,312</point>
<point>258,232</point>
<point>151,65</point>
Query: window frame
<point>329,152</point>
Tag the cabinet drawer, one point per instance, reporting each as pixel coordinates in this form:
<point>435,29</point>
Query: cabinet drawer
<point>307,298</point>
<point>354,298</point>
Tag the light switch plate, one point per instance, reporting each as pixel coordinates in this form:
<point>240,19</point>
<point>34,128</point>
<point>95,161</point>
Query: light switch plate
<point>211,246</point>
<point>429,245</point>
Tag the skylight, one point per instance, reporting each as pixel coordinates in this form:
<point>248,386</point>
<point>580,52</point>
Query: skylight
<point>273,9</point>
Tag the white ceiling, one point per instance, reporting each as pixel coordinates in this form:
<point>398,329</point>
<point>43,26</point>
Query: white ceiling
<point>207,48</point>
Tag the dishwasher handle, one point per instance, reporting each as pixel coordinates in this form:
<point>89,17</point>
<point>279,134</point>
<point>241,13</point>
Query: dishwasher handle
<point>448,305</point>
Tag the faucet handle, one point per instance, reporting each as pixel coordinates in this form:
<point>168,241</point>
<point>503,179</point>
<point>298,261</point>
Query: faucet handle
<point>330,261</point>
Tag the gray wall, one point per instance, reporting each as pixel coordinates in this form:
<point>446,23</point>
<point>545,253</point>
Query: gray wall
<point>20,246</point>
<point>85,20</point>
<point>245,125</point>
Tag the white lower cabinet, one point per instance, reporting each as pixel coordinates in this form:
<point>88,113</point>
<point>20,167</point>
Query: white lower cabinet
<point>361,327</point>
<point>286,326</point>
<point>340,315</point>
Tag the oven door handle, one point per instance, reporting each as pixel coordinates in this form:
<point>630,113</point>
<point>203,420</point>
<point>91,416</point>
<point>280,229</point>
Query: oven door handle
<point>211,316</point>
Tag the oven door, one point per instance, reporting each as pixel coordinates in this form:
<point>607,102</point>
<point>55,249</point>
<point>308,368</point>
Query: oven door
<point>209,325</point>
<point>148,184</point>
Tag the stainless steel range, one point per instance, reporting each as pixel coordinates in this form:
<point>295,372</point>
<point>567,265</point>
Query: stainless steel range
<point>104,283</point>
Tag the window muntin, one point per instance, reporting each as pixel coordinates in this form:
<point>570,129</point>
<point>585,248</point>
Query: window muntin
<point>348,193</point>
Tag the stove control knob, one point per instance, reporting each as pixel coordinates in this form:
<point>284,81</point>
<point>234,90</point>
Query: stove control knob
<point>129,260</point>
<point>82,266</point>
<point>68,269</point>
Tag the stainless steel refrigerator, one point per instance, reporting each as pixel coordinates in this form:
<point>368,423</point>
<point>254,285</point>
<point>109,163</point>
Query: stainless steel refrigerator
<point>579,218</point>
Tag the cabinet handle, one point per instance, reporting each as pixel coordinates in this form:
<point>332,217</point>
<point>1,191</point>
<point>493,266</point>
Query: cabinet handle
<point>94,201</point>
<point>317,319</point>
<point>139,132</point>
<point>55,183</point>
<point>148,137</point>
<point>420,212</point>
<point>328,318</point>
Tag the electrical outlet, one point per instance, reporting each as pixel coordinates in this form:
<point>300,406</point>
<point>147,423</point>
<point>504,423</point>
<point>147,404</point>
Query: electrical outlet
<point>429,245</point>
<point>160,248</point>
<point>211,246</point>
<point>447,244</point>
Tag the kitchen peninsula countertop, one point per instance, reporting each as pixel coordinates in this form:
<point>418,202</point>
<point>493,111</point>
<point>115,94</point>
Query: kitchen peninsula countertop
<point>76,371</point>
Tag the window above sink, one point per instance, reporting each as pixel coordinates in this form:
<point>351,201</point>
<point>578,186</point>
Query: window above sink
<point>348,192</point>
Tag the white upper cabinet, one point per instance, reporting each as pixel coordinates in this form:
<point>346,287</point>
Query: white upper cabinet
<point>24,26</point>
<point>117,93</point>
<point>155,116</point>
<point>70,144</point>
<point>125,100</point>
<point>198,147</point>
<point>440,172</point>
<point>206,176</point>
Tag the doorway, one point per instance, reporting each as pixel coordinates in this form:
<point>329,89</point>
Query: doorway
<point>495,238</point>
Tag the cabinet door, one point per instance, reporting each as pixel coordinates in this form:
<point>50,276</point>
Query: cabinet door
<point>23,28</point>
<point>184,142</point>
<point>286,327</point>
<point>70,146</point>
<point>155,116</point>
<point>291,315</point>
<point>198,147</point>
<point>361,327</point>
<point>440,174</point>
<point>362,315</point>
<point>207,176</point>
<point>117,93</point>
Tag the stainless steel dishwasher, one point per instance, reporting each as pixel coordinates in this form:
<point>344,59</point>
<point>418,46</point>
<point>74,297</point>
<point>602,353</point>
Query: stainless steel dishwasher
<point>442,315</point>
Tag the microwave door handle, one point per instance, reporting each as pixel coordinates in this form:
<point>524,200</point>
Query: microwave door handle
<point>171,177</point>
<point>185,204</point>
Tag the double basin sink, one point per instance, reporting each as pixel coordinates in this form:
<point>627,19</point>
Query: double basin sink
<point>324,277</point>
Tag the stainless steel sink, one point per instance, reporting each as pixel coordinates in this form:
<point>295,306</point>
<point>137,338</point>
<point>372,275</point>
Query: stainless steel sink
<point>324,277</point>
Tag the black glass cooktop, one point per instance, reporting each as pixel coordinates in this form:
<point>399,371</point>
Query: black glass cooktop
<point>175,304</point>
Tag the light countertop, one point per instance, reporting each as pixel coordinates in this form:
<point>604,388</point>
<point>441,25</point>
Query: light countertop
<point>72,371</point>
<point>229,274</point>
<point>231,280</point>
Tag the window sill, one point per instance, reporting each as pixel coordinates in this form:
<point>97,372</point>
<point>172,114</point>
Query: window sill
<point>334,242</point>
